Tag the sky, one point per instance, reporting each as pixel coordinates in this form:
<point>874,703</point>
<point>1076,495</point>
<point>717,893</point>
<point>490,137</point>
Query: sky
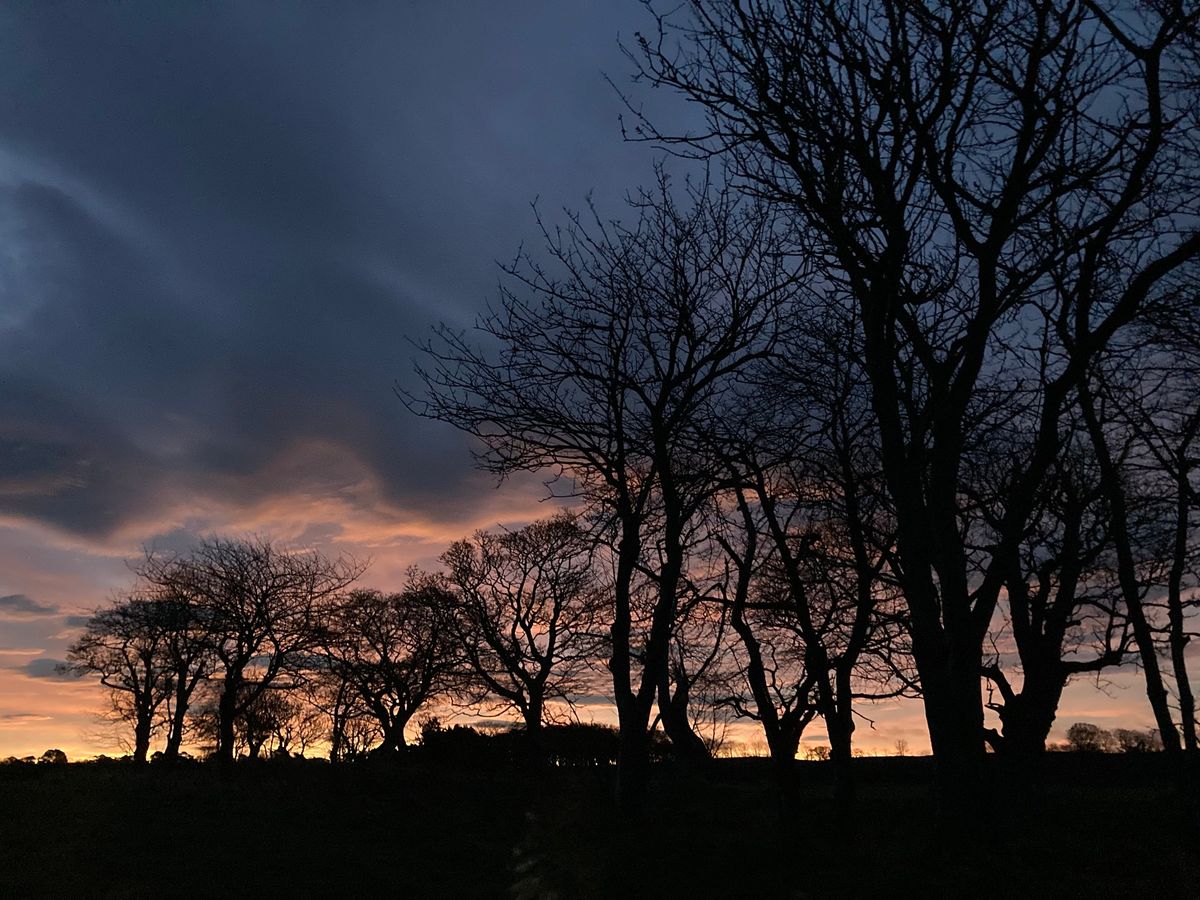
<point>221,228</point>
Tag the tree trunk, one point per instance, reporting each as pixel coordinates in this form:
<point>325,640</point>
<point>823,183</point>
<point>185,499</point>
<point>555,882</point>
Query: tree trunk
<point>336,738</point>
<point>226,718</point>
<point>689,747</point>
<point>141,737</point>
<point>840,729</point>
<point>393,741</point>
<point>1026,717</point>
<point>633,766</point>
<point>177,723</point>
<point>1178,636</point>
<point>174,741</point>
<point>633,749</point>
<point>535,746</point>
<point>1027,723</point>
<point>954,714</point>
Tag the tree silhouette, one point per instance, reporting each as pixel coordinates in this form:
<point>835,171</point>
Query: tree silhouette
<point>607,369</point>
<point>126,645</point>
<point>257,606</point>
<point>525,616</point>
<point>998,191</point>
<point>393,653</point>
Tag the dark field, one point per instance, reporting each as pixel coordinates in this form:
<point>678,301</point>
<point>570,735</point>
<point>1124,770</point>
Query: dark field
<point>1100,827</point>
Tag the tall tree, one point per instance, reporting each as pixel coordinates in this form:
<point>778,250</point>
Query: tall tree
<point>606,364</point>
<point>525,615</point>
<point>974,177</point>
<point>1163,416</point>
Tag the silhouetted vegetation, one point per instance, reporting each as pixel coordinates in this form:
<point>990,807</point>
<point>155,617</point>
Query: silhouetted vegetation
<point>1001,199</point>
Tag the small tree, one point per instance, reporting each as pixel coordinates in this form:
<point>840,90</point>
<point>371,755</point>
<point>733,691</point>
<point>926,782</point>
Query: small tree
<point>525,615</point>
<point>1084,737</point>
<point>126,644</point>
<point>1132,740</point>
<point>393,652</point>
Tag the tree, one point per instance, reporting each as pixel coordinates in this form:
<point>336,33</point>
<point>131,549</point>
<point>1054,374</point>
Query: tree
<point>1063,604</point>
<point>393,653</point>
<point>278,723</point>
<point>809,533</point>
<point>257,605</point>
<point>188,656</point>
<point>1132,740</point>
<point>524,615</point>
<point>1084,737</point>
<point>1145,422</point>
<point>997,190</point>
<point>606,368</point>
<point>771,663</point>
<point>126,645</point>
<point>349,729</point>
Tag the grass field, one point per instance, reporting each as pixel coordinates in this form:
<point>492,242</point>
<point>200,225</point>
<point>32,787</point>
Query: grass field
<point>305,829</point>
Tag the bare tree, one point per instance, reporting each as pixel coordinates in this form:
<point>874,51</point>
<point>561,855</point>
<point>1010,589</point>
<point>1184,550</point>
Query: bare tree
<point>125,644</point>
<point>975,178</point>
<point>1142,416</point>
<point>809,531</point>
<point>189,656</point>
<point>605,368</point>
<point>346,725</point>
<point>277,723</point>
<point>257,604</point>
<point>1159,407</point>
<point>393,653</point>
<point>771,662</point>
<point>1063,607</point>
<point>525,609</point>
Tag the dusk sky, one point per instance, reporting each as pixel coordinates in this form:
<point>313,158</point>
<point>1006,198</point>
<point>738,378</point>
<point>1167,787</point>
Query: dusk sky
<point>220,227</point>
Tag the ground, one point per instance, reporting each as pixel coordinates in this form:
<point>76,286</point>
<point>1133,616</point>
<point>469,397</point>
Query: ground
<point>1107,828</point>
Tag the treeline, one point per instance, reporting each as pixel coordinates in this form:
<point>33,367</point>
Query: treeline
<point>904,402</point>
<point>246,647</point>
<point>590,745</point>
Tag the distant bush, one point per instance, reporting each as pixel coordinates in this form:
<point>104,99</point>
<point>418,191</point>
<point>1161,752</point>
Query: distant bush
<point>1084,737</point>
<point>1131,741</point>
<point>574,745</point>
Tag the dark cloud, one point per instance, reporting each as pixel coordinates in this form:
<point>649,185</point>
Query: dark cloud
<point>49,669</point>
<point>18,606</point>
<point>220,224</point>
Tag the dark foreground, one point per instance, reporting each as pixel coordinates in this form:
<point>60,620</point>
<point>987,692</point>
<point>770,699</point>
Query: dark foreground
<point>1106,827</point>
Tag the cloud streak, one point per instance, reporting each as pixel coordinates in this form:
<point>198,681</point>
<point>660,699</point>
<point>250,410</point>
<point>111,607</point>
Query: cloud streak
<point>18,606</point>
